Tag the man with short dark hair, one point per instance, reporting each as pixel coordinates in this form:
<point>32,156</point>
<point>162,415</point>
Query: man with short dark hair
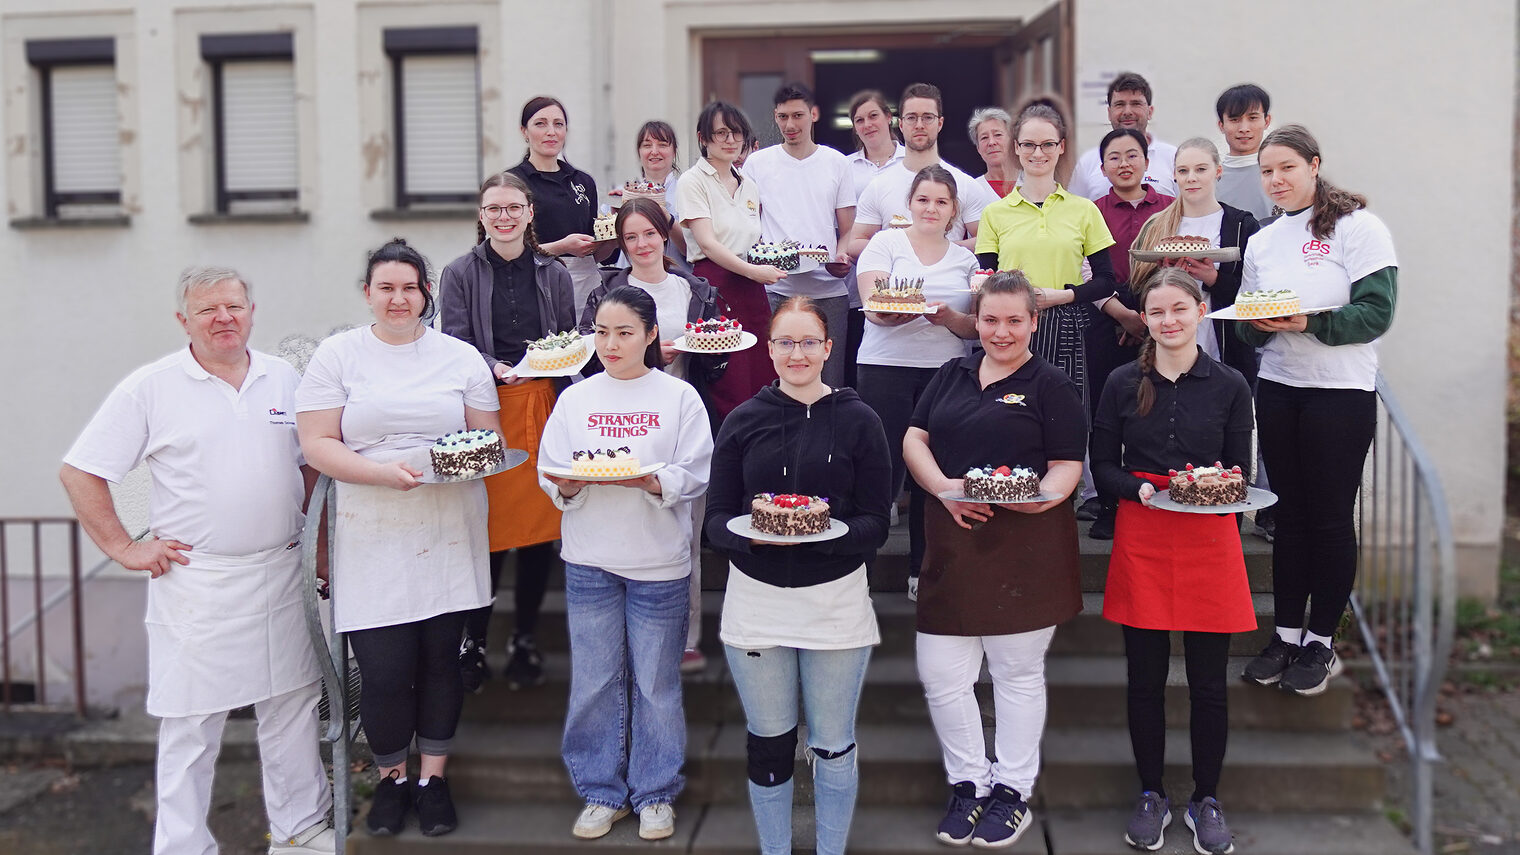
<point>1245,113</point>
<point>1129,106</point>
<point>806,195</point>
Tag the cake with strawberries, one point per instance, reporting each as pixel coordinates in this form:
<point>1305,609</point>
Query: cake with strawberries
<point>1001,484</point>
<point>640,188</point>
<point>789,514</point>
<point>604,463</point>
<point>979,278</point>
<point>1207,485</point>
<point>557,351</point>
<point>901,295</point>
<point>718,333</point>
<point>1267,304</point>
<point>464,453</point>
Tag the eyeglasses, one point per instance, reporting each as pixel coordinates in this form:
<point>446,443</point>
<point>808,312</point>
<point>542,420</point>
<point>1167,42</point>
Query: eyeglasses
<point>810,346</point>
<point>493,211</point>
<point>727,135</point>
<point>1132,157</point>
<point>919,119</point>
<point>1047,146</point>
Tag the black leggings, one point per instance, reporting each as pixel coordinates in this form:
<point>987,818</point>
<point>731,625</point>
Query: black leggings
<point>1149,652</point>
<point>893,392</point>
<point>411,685</point>
<point>534,566</point>
<point>1314,442</point>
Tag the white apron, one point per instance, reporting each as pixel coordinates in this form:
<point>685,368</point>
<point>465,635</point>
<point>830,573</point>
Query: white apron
<point>226,631</point>
<point>585,276</point>
<point>401,557</point>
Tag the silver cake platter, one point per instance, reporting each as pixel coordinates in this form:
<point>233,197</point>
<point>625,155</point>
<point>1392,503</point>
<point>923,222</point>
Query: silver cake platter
<point>1256,499</point>
<point>514,457</point>
<point>952,496</point>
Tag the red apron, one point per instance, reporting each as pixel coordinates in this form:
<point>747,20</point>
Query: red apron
<point>1177,571</point>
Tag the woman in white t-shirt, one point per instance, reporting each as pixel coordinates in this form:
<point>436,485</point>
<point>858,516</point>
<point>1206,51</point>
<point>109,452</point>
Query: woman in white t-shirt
<point>409,560</point>
<point>900,353</point>
<point>877,151</point>
<point>1316,398</point>
<point>627,551</point>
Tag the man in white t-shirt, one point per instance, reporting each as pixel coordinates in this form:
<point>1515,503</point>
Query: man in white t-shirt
<point>1129,106</point>
<point>806,195</point>
<point>215,423</point>
<point>921,117</point>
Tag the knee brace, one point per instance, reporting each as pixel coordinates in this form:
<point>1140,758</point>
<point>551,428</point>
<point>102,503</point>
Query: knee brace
<point>824,754</point>
<point>771,758</point>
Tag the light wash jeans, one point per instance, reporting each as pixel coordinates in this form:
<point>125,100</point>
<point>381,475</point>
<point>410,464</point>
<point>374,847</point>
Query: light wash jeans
<point>830,680</point>
<point>620,628</point>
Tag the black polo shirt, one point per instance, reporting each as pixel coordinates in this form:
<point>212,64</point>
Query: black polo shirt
<point>1028,418</point>
<point>1202,418</point>
<point>515,319</point>
<point>564,201</point>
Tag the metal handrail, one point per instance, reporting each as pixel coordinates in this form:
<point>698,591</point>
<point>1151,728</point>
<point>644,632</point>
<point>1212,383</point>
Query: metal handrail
<point>40,608</point>
<point>331,650</point>
<point>1405,602</point>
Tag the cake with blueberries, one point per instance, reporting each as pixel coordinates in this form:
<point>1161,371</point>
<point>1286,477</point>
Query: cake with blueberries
<point>1001,484</point>
<point>467,452</point>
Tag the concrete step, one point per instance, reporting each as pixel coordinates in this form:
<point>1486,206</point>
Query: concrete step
<point>1101,832</point>
<point>1084,691</point>
<point>901,764</point>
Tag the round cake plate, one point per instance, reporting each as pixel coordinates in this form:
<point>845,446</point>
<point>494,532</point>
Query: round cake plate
<point>513,458</point>
<point>559,472</point>
<point>522,370</point>
<point>1229,253</point>
<point>741,527</point>
<point>951,495</point>
<point>927,310</point>
<point>1256,499</point>
<point>747,340</point>
<point>1228,313</point>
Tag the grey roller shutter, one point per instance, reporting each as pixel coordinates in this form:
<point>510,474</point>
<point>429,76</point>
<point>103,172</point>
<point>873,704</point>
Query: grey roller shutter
<point>86,136</point>
<point>259,128</point>
<point>440,127</point>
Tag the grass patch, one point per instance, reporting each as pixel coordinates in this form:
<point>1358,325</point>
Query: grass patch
<point>1491,633</point>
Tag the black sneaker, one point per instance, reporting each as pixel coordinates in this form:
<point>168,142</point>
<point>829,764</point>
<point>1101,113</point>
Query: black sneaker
<point>1310,673</point>
<point>1089,509</point>
<point>961,816</point>
<point>388,808</point>
<point>1268,666</point>
<point>1103,526</point>
<point>1006,819</point>
<point>1147,827</point>
<point>1211,834</point>
<point>473,670</point>
<point>435,808</point>
<point>525,665</point>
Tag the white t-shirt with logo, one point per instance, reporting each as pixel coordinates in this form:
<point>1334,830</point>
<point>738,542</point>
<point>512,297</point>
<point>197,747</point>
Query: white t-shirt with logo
<point>887,194</point>
<point>672,301</point>
<point>917,343</point>
<point>798,201</point>
<point>1286,254</point>
<point>1087,178</point>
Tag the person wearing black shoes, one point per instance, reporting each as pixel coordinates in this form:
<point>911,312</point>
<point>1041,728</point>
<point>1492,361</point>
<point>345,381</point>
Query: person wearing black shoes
<point>1173,572</point>
<point>1317,396</point>
<point>996,579</point>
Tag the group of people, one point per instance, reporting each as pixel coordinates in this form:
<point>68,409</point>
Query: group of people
<point>1097,374</point>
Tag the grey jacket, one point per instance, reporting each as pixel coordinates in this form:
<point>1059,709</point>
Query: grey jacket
<point>465,299</point>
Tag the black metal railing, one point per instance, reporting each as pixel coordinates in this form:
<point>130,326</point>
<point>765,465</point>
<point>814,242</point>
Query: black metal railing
<point>42,603</point>
<point>332,653</point>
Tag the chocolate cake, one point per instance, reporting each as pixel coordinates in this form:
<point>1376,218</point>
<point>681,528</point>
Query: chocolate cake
<point>789,514</point>
<point>1207,485</point>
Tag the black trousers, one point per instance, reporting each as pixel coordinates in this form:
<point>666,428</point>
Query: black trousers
<point>1314,442</point>
<point>411,685</point>
<point>893,392</point>
<point>534,566</point>
<point>1148,653</point>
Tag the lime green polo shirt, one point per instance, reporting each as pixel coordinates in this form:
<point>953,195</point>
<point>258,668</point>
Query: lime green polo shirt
<point>1047,242</point>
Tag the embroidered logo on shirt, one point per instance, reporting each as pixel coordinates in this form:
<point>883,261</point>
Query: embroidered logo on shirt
<point>580,193</point>
<point>1314,251</point>
<point>619,425</point>
<point>750,204</point>
<point>1011,398</point>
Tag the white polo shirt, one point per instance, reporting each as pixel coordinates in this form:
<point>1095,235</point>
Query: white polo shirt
<point>887,194</point>
<point>1087,179</point>
<point>799,200</point>
<point>735,219</point>
<point>225,462</point>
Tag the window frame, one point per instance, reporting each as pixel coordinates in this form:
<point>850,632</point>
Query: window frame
<point>216,50</point>
<point>45,55</point>
<point>399,43</point>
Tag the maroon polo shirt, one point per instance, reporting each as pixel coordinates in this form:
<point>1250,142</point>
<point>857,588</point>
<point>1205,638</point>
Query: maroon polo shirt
<point>1124,221</point>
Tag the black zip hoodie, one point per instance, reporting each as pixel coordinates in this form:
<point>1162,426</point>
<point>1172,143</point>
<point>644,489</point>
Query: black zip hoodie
<point>834,448</point>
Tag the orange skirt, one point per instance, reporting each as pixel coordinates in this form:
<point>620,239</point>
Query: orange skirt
<point>521,515</point>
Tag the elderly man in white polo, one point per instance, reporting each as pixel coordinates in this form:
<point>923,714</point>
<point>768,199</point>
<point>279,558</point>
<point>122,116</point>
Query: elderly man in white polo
<point>215,422</point>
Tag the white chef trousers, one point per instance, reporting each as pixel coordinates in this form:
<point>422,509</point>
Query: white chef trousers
<point>296,791</point>
<point>948,666</point>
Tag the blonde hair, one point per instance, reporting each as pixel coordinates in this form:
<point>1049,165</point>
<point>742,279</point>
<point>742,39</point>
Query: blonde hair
<point>1165,223</point>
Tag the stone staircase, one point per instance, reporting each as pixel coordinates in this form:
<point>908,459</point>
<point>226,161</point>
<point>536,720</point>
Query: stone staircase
<point>1296,778</point>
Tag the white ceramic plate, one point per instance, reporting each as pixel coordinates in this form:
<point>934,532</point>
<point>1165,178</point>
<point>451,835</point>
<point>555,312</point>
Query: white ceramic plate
<point>953,496</point>
<point>522,369</point>
<point>599,479</point>
<point>1256,499</point>
<point>1228,313</point>
<point>747,340</point>
<point>741,527</point>
<point>1229,253</point>
<point>804,265</point>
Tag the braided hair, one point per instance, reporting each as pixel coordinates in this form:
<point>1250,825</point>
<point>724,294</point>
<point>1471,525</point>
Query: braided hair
<point>1145,392</point>
<point>508,179</point>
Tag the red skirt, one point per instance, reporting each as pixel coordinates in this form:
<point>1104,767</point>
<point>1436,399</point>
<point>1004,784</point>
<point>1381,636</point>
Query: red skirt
<point>1177,571</point>
<point>748,370</point>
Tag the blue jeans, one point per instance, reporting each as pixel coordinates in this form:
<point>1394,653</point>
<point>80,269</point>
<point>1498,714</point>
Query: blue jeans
<point>767,681</point>
<point>621,628</point>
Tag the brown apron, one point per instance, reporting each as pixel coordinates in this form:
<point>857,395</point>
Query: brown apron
<point>1016,573</point>
<point>521,514</point>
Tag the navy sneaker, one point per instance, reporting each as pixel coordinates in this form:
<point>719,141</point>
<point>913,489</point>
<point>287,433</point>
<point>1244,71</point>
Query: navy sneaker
<point>1005,820</point>
<point>961,815</point>
<point>1211,834</point>
<point>1310,673</point>
<point>1147,827</point>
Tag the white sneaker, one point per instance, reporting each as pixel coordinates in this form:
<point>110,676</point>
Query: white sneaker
<point>596,820</point>
<point>657,821</point>
<point>913,589</point>
<point>317,840</point>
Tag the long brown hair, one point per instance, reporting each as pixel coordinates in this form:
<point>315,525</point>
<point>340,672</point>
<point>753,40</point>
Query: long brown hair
<point>650,210</point>
<point>869,96</point>
<point>1145,392</point>
<point>1165,222</point>
<point>507,179</point>
<point>1330,202</point>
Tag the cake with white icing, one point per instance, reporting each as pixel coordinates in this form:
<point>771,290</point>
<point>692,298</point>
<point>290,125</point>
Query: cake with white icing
<point>553,352</point>
<point>1207,485</point>
<point>1267,304</point>
<point>602,463</point>
<point>467,452</point>
<point>1001,484</point>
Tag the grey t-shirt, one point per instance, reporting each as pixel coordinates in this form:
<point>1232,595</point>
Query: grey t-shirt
<point>1240,187</point>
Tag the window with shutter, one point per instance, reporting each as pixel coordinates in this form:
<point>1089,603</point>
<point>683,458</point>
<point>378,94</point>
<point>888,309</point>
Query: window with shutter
<point>81,128</point>
<point>436,80</point>
<point>258,135</point>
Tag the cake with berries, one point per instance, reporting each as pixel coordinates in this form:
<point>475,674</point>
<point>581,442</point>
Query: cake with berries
<point>605,463</point>
<point>1267,304</point>
<point>789,514</point>
<point>467,452</point>
<point>1001,484</point>
<point>640,188</point>
<point>718,333</point>
<point>1207,485</point>
<point>901,295</point>
<point>557,351</point>
<point>783,256</point>
<point>979,278</point>
<point>819,254</point>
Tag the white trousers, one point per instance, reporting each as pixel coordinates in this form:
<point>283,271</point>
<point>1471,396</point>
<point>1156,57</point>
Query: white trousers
<point>948,666</point>
<point>296,792</point>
